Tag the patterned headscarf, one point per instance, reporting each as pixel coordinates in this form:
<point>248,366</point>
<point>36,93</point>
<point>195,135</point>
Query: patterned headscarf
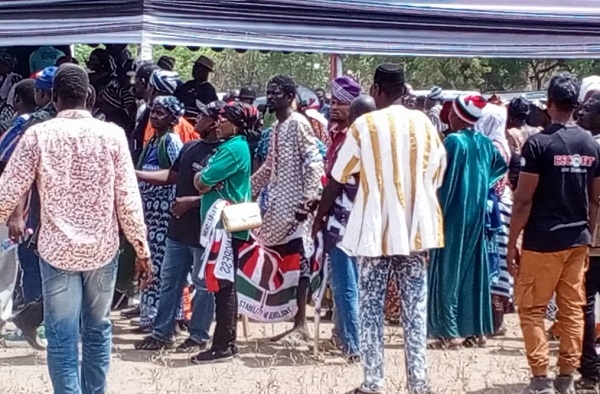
<point>165,81</point>
<point>435,93</point>
<point>345,89</point>
<point>171,104</point>
<point>242,115</point>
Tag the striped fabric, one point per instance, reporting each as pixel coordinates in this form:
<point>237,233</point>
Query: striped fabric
<point>401,162</point>
<point>508,28</point>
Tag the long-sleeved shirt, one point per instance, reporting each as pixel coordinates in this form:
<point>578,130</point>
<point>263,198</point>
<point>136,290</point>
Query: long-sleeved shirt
<point>290,176</point>
<point>87,187</point>
<point>401,163</point>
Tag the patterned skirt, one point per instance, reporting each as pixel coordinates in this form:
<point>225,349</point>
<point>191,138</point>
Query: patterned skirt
<point>157,202</point>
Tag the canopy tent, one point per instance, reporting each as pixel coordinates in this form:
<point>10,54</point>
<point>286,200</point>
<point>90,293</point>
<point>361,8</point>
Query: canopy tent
<point>494,28</point>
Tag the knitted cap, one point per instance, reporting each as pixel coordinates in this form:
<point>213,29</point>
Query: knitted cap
<point>469,107</point>
<point>44,80</point>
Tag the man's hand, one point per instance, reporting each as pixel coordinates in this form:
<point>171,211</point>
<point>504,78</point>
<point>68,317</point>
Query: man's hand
<point>16,228</point>
<point>512,260</point>
<point>303,210</point>
<point>183,204</point>
<point>143,272</point>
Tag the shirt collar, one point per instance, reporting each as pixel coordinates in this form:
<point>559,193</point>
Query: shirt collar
<point>74,114</point>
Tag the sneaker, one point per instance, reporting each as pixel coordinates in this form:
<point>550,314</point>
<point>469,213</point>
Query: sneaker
<point>564,384</point>
<point>18,336</point>
<point>539,385</point>
<point>215,356</point>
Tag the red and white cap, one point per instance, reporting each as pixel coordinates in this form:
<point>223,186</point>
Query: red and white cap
<point>469,107</point>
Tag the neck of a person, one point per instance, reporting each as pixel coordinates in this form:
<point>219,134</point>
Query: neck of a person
<point>562,117</point>
<point>25,110</point>
<point>59,106</point>
<point>343,124</point>
<point>518,124</point>
<point>283,113</point>
<point>389,101</point>
<point>210,138</point>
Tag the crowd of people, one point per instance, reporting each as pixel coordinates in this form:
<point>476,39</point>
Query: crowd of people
<point>452,213</point>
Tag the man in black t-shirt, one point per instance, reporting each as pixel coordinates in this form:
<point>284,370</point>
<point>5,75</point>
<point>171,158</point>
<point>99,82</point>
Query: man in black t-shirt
<point>183,252</point>
<point>555,205</point>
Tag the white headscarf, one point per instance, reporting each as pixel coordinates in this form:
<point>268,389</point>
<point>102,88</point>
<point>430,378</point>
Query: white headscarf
<point>492,124</point>
<point>588,85</point>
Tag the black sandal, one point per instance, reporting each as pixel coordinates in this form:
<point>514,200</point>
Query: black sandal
<point>191,346</point>
<point>152,344</point>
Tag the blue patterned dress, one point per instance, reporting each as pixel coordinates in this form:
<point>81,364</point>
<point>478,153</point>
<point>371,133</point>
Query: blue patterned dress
<point>157,202</point>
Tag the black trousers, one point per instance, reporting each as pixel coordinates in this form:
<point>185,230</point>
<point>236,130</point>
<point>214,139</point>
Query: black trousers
<point>226,306</point>
<point>590,362</point>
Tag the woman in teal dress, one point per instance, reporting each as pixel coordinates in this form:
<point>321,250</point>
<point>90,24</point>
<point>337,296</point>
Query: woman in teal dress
<point>158,154</point>
<point>459,284</point>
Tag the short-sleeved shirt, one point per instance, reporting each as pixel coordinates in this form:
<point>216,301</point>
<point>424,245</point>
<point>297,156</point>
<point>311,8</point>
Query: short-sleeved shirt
<point>192,159</point>
<point>566,159</point>
<point>230,166</point>
<point>44,57</point>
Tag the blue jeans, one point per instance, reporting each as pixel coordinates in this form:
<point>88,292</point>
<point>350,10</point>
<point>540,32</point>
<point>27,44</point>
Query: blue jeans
<point>179,260</point>
<point>31,280</point>
<point>344,284</point>
<point>77,304</point>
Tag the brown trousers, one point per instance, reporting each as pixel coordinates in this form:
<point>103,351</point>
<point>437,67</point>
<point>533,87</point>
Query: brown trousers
<point>540,275</point>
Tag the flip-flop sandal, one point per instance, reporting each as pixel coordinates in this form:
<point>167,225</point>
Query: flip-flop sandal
<point>131,313</point>
<point>191,346</point>
<point>142,330</point>
<point>152,344</point>
<point>444,344</point>
<point>358,391</point>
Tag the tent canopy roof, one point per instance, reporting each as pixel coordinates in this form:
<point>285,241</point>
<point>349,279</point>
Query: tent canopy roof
<point>494,28</point>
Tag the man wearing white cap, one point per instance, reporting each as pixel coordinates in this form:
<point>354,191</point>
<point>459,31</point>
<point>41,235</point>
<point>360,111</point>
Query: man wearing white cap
<point>460,299</point>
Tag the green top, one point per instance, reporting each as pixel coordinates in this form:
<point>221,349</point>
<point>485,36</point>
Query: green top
<point>231,167</point>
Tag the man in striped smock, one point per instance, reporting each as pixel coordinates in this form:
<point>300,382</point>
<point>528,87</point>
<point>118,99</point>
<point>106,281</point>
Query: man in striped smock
<point>395,220</point>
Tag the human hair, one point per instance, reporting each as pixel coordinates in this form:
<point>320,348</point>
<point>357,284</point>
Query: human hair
<point>71,86</point>
<point>288,86</point>
<point>519,108</point>
<point>563,91</point>
<point>25,91</point>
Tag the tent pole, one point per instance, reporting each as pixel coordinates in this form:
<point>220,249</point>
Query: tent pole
<point>335,69</point>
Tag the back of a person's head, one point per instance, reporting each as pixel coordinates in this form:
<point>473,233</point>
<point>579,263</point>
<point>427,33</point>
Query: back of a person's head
<point>25,92</point>
<point>563,92</point>
<point>362,105</point>
<point>519,108</point>
<point>70,87</point>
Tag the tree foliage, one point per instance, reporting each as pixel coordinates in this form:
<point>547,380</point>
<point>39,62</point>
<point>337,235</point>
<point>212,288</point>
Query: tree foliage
<point>234,70</point>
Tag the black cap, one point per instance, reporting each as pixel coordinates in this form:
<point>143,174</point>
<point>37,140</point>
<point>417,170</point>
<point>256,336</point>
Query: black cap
<point>166,63</point>
<point>390,74</point>
<point>247,92</point>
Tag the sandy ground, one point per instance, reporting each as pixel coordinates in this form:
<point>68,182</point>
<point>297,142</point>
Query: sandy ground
<point>271,368</point>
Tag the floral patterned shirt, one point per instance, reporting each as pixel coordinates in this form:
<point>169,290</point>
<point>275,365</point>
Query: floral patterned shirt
<point>87,187</point>
<point>291,176</point>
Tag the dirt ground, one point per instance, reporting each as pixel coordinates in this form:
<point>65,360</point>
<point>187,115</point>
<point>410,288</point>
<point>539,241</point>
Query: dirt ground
<point>271,368</point>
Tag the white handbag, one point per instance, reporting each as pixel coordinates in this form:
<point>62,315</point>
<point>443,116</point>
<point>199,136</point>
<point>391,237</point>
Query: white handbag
<point>241,217</point>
